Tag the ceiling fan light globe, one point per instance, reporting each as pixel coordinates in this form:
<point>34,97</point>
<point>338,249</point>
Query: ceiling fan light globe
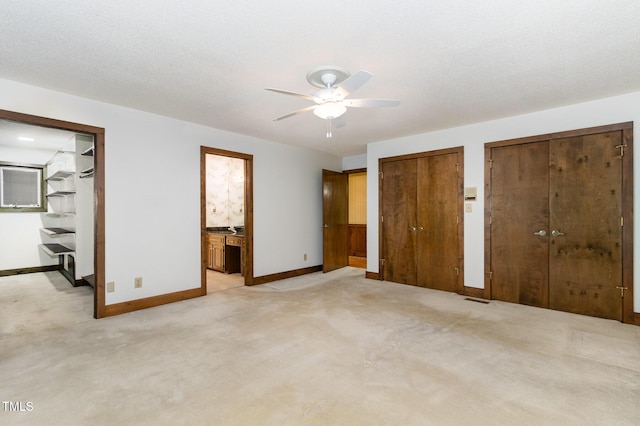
<point>329,110</point>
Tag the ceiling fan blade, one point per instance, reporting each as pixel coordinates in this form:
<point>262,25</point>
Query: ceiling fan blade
<point>300,111</point>
<point>352,83</point>
<point>370,103</point>
<point>299,95</point>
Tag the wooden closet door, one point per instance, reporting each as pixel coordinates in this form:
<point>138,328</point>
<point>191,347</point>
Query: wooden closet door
<point>585,263</point>
<point>437,233</point>
<point>399,221</point>
<point>520,223</point>
<point>556,231</point>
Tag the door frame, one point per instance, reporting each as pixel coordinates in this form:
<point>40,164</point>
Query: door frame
<point>99,310</point>
<point>628,315</point>
<point>460,288</point>
<point>249,279</point>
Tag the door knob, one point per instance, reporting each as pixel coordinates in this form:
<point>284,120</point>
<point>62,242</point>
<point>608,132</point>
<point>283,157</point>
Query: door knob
<point>556,233</point>
<point>412,228</point>
<point>325,226</point>
<point>540,233</point>
<point>420,228</point>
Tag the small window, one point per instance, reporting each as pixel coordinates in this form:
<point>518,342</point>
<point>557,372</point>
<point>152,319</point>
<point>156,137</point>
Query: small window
<point>21,189</point>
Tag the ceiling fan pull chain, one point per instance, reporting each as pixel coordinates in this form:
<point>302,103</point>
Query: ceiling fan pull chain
<point>329,128</point>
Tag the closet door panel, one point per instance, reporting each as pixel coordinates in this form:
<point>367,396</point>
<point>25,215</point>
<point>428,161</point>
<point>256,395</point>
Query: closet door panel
<point>520,223</point>
<point>399,221</point>
<point>586,207</point>
<point>437,234</point>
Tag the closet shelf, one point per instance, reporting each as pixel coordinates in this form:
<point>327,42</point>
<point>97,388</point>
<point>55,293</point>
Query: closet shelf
<point>89,151</point>
<point>86,173</point>
<point>59,214</point>
<point>61,193</point>
<point>57,231</point>
<point>55,249</point>
<point>60,175</point>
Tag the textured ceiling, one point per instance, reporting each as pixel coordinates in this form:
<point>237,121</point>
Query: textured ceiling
<point>450,62</point>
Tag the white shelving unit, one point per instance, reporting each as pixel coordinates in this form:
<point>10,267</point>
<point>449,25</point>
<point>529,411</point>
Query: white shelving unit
<point>68,224</point>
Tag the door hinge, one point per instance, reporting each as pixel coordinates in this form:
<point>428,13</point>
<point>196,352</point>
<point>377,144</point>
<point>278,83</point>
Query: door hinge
<point>381,174</point>
<point>457,271</point>
<point>381,219</point>
<point>382,261</point>
<point>622,289</point>
<point>621,221</point>
<point>490,220</point>
<point>490,163</point>
<point>490,275</point>
<point>457,220</point>
<point>621,148</point>
<point>457,167</point>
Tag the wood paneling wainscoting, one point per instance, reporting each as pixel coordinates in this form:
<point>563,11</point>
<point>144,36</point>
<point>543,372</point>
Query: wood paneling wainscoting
<point>358,240</point>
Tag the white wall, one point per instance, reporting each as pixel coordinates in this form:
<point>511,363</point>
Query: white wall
<point>473,137</point>
<point>152,192</point>
<point>20,237</point>
<point>354,162</point>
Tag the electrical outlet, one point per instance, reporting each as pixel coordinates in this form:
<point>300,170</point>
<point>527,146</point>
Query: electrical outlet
<point>305,256</point>
<point>111,287</point>
<point>137,282</point>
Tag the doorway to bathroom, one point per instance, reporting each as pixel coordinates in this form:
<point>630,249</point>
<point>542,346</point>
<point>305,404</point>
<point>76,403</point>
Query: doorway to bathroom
<point>226,182</point>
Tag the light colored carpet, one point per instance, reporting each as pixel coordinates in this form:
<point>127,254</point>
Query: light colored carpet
<point>332,349</point>
<point>219,281</point>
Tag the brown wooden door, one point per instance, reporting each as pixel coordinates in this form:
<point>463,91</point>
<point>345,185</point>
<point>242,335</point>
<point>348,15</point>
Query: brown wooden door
<point>585,263</point>
<point>438,198</point>
<point>520,224</point>
<point>399,187</point>
<point>556,238</point>
<point>335,218</point>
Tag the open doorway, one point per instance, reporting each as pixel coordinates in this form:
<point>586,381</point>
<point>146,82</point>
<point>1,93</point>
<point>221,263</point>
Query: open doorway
<point>358,218</point>
<point>71,213</point>
<point>344,229</point>
<point>226,219</point>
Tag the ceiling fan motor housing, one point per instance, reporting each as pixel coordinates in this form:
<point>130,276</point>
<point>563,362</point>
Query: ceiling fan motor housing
<point>320,76</point>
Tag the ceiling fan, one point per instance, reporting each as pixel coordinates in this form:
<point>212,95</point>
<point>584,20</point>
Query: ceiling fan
<point>336,84</point>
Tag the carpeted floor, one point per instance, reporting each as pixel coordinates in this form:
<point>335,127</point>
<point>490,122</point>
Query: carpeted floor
<point>323,349</point>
